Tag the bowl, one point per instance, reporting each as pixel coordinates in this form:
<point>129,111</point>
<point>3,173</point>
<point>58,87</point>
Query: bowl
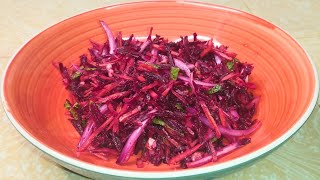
<point>33,94</point>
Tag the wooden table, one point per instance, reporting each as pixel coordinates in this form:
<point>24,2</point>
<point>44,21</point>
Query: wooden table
<point>298,158</point>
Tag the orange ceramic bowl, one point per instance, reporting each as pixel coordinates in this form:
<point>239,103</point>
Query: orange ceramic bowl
<point>33,93</point>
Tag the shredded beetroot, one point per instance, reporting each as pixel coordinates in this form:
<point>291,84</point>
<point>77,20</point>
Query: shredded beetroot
<point>183,103</point>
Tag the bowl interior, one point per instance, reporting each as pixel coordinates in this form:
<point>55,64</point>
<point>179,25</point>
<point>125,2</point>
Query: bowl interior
<point>34,92</point>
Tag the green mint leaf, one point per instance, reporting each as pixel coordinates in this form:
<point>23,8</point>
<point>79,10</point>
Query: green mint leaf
<point>158,121</point>
<point>215,89</point>
<point>230,65</point>
<point>75,75</point>
<point>174,73</point>
<point>73,113</point>
<point>178,106</point>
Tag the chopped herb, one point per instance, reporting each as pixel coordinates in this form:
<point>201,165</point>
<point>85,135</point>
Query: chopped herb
<point>189,89</point>
<point>83,123</point>
<point>67,105</point>
<point>174,73</point>
<point>178,106</point>
<point>156,66</point>
<point>76,105</point>
<point>90,69</point>
<point>153,65</point>
<point>230,65</point>
<point>76,75</point>
<point>73,113</point>
<point>214,139</point>
<point>158,121</point>
<point>215,89</point>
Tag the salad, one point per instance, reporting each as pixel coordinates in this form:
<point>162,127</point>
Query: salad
<point>184,103</point>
